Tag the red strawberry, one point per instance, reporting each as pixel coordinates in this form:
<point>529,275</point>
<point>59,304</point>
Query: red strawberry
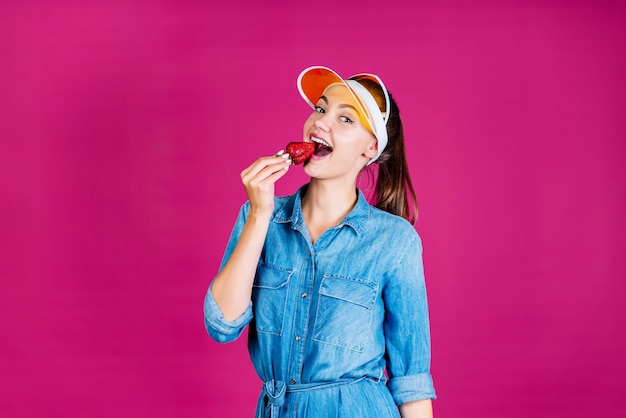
<point>300,151</point>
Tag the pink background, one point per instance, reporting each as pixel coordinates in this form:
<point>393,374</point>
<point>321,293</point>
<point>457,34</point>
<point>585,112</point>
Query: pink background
<point>125,126</point>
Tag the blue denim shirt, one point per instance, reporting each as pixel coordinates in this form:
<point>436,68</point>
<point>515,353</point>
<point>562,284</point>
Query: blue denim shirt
<point>348,306</point>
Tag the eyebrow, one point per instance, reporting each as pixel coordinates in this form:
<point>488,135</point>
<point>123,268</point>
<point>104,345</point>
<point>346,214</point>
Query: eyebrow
<point>341,106</point>
<point>350,106</point>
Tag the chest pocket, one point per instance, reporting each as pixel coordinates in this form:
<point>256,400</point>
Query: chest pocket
<point>344,312</point>
<point>269,298</point>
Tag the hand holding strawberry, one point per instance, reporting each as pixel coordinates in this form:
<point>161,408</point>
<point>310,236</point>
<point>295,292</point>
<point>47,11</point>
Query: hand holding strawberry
<point>259,179</point>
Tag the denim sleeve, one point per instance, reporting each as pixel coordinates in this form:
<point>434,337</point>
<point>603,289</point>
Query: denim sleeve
<point>220,329</point>
<point>407,328</point>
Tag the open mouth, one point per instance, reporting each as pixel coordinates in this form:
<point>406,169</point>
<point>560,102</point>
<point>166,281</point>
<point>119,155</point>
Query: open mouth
<point>322,148</point>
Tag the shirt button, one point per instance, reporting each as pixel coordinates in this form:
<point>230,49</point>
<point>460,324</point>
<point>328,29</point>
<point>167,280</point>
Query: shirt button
<point>293,381</point>
<point>304,295</point>
<point>297,338</point>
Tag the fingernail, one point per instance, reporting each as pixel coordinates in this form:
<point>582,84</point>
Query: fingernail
<point>285,156</point>
<point>280,152</point>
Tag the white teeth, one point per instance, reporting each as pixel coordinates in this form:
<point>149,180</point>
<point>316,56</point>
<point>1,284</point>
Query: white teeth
<point>319,141</point>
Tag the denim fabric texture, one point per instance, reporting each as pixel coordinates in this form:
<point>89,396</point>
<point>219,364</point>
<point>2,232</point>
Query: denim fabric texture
<point>326,319</point>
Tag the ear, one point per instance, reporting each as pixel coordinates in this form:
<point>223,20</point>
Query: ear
<point>372,148</point>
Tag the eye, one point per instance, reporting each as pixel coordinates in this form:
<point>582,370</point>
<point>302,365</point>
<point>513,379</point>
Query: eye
<point>319,109</point>
<point>346,119</point>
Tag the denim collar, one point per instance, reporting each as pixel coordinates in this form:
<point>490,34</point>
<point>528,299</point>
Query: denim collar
<point>291,211</point>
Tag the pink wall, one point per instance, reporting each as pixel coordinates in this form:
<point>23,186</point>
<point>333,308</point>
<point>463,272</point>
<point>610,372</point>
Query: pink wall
<point>124,128</point>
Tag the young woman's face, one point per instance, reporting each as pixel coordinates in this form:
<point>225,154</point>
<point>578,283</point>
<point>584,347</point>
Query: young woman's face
<point>343,144</point>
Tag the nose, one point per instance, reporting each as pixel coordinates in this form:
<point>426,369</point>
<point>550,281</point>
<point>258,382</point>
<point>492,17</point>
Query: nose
<point>321,124</point>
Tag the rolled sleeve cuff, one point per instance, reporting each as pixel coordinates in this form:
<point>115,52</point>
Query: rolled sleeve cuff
<point>220,329</point>
<point>412,388</point>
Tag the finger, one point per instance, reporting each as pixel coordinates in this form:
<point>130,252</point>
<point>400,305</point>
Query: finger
<point>275,176</point>
<point>264,167</point>
<point>266,172</point>
<point>262,162</point>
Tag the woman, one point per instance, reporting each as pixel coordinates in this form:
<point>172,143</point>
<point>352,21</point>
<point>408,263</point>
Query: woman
<point>332,287</point>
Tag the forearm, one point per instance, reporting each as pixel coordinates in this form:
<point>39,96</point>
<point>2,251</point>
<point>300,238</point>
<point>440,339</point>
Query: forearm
<point>232,288</point>
<point>417,409</point>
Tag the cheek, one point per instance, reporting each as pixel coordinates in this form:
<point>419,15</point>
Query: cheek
<point>358,138</point>
<point>308,123</point>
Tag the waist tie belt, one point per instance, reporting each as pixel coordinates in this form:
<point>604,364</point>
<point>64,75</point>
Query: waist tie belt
<point>274,392</point>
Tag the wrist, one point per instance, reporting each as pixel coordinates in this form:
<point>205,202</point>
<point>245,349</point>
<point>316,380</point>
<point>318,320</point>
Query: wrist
<point>257,214</point>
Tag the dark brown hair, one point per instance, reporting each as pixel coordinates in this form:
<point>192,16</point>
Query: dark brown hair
<point>394,190</point>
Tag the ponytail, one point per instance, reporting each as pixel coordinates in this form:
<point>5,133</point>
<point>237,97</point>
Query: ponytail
<point>394,190</point>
